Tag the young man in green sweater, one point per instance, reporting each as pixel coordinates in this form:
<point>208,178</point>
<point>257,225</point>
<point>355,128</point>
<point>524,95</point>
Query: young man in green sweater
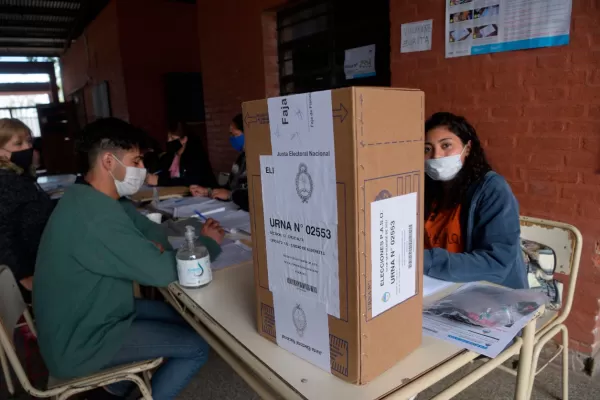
<point>94,247</point>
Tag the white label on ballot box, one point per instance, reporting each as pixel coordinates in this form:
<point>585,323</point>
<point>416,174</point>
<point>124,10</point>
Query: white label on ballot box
<point>393,251</point>
<point>304,155</point>
<point>302,256</point>
<point>302,328</point>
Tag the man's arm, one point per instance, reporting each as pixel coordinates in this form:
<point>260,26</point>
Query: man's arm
<point>151,230</point>
<point>115,247</point>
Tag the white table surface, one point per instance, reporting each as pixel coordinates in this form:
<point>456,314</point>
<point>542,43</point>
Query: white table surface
<point>229,303</point>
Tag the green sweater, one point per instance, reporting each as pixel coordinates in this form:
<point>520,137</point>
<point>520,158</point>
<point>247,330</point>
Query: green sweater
<point>92,250</point>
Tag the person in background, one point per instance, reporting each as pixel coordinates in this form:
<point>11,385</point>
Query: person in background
<point>24,207</point>
<point>95,246</point>
<point>236,189</point>
<point>472,230</point>
<point>184,163</point>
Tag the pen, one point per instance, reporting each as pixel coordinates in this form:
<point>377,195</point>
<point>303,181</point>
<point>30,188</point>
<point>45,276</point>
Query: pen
<point>202,217</point>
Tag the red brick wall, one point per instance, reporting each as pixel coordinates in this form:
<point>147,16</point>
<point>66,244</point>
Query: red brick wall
<point>233,66</point>
<point>132,44</point>
<point>538,114</point>
<point>157,37</point>
<point>87,64</point>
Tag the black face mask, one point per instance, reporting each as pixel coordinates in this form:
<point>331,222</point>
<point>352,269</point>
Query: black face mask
<point>22,159</point>
<point>174,146</point>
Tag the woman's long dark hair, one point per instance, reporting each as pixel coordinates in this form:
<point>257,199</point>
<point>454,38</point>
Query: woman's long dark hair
<point>437,196</point>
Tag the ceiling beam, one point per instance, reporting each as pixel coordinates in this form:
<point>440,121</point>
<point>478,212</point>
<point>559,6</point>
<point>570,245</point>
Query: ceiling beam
<point>31,33</point>
<point>22,51</point>
<point>38,11</point>
<point>18,23</point>
<point>26,67</point>
<point>25,87</point>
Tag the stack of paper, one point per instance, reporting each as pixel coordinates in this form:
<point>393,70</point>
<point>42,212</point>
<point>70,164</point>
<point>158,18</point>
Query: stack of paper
<point>487,341</point>
<point>233,254</point>
<point>432,285</point>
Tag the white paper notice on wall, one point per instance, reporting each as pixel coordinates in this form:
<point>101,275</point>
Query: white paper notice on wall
<point>360,62</point>
<point>303,328</point>
<point>393,251</point>
<point>416,36</point>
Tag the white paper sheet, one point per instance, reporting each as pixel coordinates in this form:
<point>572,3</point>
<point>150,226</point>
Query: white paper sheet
<point>416,36</point>
<point>360,62</point>
<point>303,328</point>
<point>302,256</point>
<point>393,251</point>
<point>432,285</point>
<point>238,219</point>
<point>486,341</point>
<point>232,254</point>
<point>304,156</point>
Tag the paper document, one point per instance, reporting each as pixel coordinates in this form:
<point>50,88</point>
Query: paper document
<point>233,254</point>
<point>211,207</point>
<point>239,220</point>
<point>432,285</point>
<point>487,341</point>
<point>303,327</point>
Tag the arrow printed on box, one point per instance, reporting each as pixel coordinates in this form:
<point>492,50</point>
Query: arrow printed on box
<point>256,119</point>
<point>340,113</point>
<point>263,119</point>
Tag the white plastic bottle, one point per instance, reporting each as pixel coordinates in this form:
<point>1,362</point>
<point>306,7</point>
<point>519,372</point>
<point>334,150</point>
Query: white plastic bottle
<point>193,262</point>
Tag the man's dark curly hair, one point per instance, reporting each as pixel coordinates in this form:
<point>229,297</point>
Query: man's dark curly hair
<point>108,134</point>
<point>437,197</point>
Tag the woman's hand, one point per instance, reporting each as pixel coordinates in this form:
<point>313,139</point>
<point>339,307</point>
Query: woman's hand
<point>213,230</point>
<point>221,194</point>
<point>152,179</point>
<point>198,191</point>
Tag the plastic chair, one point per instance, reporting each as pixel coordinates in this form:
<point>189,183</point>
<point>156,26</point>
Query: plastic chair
<point>566,242</point>
<point>12,307</point>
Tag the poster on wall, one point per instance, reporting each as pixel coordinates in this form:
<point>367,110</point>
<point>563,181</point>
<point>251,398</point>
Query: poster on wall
<point>360,62</point>
<point>491,26</point>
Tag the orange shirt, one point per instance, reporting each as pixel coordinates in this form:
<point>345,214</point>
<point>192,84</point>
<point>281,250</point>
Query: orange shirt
<point>442,230</point>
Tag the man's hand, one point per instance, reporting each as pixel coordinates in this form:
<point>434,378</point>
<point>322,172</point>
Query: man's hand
<point>27,283</point>
<point>159,247</point>
<point>213,230</point>
<point>198,191</point>
<point>152,179</point>
<point>221,194</point>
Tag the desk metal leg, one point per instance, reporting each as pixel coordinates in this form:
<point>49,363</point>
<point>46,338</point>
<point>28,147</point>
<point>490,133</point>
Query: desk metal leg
<point>265,391</point>
<point>525,359</point>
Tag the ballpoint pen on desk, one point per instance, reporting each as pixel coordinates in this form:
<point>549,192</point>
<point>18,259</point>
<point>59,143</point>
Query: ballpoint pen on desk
<point>202,217</point>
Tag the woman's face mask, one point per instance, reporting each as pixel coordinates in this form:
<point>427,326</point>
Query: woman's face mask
<point>174,146</point>
<point>445,168</point>
<point>132,182</point>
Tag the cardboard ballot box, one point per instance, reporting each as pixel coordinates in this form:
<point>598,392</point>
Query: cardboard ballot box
<point>336,202</point>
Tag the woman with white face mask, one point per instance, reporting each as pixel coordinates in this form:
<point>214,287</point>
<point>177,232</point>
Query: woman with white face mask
<point>472,230</point>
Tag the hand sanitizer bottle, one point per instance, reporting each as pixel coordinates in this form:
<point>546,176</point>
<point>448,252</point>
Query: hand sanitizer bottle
<point>193,262</point>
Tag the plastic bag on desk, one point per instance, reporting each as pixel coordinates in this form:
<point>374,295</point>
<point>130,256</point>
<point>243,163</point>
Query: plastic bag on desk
<point>488,306</point>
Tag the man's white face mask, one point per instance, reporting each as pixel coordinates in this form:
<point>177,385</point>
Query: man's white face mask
<point>133,181</point>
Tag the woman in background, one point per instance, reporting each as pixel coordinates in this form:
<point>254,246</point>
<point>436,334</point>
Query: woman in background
<point>24,207</point>
<point>184,163</point>
<point>472,230</point>
<point>236,189</point>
